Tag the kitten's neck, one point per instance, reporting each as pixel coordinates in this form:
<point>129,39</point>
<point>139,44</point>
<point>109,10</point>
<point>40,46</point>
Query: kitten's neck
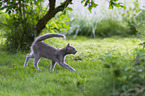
<point>63,51</point>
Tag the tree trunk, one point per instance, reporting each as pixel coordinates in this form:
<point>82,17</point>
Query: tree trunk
<point>50,14</point>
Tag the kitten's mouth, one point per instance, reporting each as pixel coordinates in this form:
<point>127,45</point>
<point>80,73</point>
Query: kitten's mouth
<point>75,52</point>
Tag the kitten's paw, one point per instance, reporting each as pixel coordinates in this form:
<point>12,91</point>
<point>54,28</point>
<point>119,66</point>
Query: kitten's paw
<point>39,69</point>
<point>64,37</point>
<point>73,70</point>
<point>24,65</point>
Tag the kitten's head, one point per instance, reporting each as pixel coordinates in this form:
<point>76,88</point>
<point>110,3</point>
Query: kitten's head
<point>70,49</point>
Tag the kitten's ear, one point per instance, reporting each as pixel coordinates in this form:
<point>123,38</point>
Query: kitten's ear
<point>68,44</point>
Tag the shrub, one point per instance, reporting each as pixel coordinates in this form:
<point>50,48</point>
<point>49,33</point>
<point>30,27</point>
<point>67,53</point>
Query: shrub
<point>18,33</point>
<point>102,21</point>
<point>104,28</point>
<point>59,24</point>
<point>110,27</point>
<point>140,23</point>
<point>129,15</point>
<point>19,25</point>
<point>130,78</point>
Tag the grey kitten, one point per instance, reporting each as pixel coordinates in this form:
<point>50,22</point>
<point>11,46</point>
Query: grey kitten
<point>40,49</point>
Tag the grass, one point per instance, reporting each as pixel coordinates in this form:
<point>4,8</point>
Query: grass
<point>90,78</point>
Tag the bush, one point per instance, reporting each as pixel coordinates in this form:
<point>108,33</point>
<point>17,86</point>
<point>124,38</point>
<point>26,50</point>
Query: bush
<point>104,28</point>
<point>58,24</point>
<point>110,27</point>
<point>140,23</point>
<point>130,78</point>
<point>19,26</point>
<point>19,33</point>
<point>129,15</point>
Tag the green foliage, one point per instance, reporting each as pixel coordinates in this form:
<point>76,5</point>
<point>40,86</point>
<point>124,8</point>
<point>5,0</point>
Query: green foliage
<point>130,78</point>
<point>23,16</point>
<point>102,22</point>
<point>92,4</point>
<point>16,5</point>
<point>19,27</point>
<point>129,15</point>
<point>2,15</point>
<point>140,23</point>
<point>90,78</point>
<point>20,24</point>
<point>19,35</point>
<point>110,27</point>
<point>104,28</point>
<point>113,3</point>
<point>59,24</point>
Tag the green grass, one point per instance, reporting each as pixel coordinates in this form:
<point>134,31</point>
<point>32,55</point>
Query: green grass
<point>90,78</point>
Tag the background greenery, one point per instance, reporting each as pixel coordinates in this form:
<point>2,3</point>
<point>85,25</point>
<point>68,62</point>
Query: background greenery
<point>103,22</point>
<point>107,42</point>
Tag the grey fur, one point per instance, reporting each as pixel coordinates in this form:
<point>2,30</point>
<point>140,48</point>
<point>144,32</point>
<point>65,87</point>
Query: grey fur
<point>40,49</point>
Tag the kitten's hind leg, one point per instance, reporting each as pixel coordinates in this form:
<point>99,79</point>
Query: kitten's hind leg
<point>53,63</point>
<point>36,61</point>
<point>31,55</point>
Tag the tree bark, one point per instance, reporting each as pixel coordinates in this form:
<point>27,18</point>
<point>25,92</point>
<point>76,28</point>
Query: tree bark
<point>50,14</point>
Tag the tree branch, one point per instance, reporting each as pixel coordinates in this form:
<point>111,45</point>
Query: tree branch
<point>52,4</point>
<point>50,14</point>
<point>63,5</point>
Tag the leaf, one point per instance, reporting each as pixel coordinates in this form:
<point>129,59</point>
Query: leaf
<point>141,43</point>
<point>9,12</point>
<point>120,5</point>
<point>67,19</point>
<point>8,1</point>
<point>110,5</point>
<point>113,3</point>
<point>69,8</point>
<point>124,7</point>
<point>85,4</point>
<point>90,8</point>
<point>66,26</point>
<point>14,1</point>
<point>93,4</point>
<point>82,1</point>
<point>2,8</point>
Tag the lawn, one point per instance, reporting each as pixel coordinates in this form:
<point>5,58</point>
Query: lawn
<point>90,78</point>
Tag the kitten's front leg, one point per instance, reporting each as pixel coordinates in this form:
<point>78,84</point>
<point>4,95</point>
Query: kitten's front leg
<point>64,65</point>
<point>53,63</point>
<point>61,62</point>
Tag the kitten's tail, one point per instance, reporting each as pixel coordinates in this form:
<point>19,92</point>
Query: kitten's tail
<point>48,35</point>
